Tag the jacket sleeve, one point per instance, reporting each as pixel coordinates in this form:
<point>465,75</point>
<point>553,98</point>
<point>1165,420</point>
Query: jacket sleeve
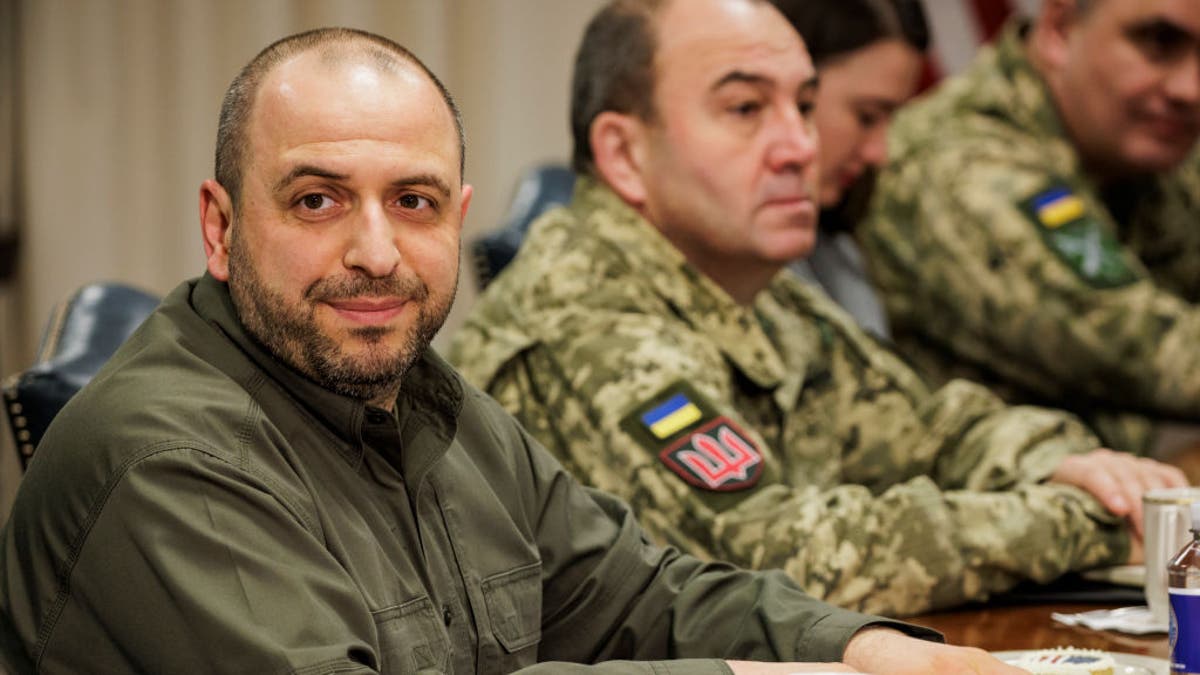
<point>1066,313</point>
<point>609,594</point>
<point>225,576</point>
<point>896,543</point>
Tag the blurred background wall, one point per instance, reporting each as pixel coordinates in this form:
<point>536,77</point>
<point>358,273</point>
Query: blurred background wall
<point>108,114</point>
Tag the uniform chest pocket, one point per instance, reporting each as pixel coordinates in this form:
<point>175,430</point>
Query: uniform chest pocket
<point>411,638</point>
<point>514,605</point>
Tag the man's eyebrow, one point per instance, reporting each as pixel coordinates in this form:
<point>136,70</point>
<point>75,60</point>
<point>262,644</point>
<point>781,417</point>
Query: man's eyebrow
<point>302,170</point>
<point>757,80</point>
<point>810,85</point>
<point>741,76</point>
<point>307,170</point>
<point>426,179</point>
<point>1164,25</point>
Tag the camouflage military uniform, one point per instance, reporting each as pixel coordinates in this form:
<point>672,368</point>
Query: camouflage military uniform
<point>996,253</point>
<point>772,436</point>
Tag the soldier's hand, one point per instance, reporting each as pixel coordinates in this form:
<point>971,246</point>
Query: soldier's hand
<point>884,651</point>
<point>1117,480</point>
<point>757,668</point>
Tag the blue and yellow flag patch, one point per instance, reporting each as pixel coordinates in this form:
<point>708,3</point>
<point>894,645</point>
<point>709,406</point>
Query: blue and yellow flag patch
<point>1078,238</point>
<point>1057,207</point>
<point>678,412</point>
<point>697,443</point>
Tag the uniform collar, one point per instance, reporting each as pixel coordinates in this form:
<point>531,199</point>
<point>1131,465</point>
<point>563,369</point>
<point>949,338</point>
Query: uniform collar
<point>696,298</point>
<point>1020,94</point>
<point>430,397</point>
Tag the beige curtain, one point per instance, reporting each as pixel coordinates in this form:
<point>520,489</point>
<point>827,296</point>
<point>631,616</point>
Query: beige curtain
<point>116,112</point>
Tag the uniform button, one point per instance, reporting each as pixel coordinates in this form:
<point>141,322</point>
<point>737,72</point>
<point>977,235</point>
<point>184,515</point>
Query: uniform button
<point>376,417</point>
<point>446,616</point>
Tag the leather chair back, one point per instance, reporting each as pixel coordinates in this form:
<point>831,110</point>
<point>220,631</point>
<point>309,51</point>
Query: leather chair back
<point>83,332</point>
<point>539,189</point>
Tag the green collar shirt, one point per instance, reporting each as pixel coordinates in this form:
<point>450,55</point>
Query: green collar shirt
<point>202,508</point>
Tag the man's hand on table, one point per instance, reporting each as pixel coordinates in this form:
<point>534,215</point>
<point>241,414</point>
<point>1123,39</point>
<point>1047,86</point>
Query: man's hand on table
<point>1117,480</point>
<point>885,651</point>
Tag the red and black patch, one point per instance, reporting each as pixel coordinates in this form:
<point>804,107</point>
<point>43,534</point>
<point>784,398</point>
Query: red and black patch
<point>717,456</point>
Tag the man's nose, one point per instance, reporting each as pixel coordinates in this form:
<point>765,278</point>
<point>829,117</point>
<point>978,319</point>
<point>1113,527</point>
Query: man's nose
<point>794,142</point>
<point>371,247</point>
<point>874,148</point>
<point>1183,80</point>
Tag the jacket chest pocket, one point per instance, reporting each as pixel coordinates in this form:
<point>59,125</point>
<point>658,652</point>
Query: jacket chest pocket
<point>514,605</point>
<point>411,638</point>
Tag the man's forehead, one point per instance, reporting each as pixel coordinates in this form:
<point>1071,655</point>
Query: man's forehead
<point>720,38</point>
<point>336,114</point>
<point>315,92</point>
<point>1181,14</point>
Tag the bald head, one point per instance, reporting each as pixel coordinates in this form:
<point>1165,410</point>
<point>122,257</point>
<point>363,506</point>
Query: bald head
<point>335,46</point>
<point>614,69</point>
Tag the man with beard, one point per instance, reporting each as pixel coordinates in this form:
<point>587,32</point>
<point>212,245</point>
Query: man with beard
<point>1037,228</point>
<point>276,475</point>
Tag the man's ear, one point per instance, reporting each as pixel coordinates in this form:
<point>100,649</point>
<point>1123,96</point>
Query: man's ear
<point>216,217</point>
<point>1050,36</point>
<point>467,192</point>
<point>619,152</point>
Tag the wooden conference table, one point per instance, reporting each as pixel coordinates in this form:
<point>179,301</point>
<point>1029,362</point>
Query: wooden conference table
<point>1029,626</point>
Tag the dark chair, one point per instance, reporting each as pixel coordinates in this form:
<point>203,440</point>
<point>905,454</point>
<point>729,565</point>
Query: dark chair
<point>83,332</point>
<point>540,189</point>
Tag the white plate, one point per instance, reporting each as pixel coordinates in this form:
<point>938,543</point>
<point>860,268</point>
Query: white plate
<point>1127,664</point>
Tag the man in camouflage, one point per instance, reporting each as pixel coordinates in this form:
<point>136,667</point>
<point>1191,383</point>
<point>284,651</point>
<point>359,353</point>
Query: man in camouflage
<point>1037,229</point>
<point>646,335</point>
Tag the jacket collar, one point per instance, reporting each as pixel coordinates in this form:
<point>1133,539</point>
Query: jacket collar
<point>1020,94</point>
<point>430,395</point>
<point>697,299</point>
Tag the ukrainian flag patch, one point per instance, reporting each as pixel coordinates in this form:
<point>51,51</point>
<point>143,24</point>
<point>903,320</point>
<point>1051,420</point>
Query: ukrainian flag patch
<point>1057,207</point>
<point>1078,238</point>
<point>692,439</point>
<point>677,413</point>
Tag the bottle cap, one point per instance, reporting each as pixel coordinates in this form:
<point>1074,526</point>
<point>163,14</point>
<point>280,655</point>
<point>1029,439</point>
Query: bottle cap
<point>1194,507</point>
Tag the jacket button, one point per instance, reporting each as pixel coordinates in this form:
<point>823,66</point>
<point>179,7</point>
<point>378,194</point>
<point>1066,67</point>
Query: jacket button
<point>446,616</point>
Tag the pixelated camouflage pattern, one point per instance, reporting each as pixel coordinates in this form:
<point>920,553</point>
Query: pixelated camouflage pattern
<point>973,289</point>
<point>876,495</point>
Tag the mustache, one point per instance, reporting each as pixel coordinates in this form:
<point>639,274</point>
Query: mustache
<point>357,286</point>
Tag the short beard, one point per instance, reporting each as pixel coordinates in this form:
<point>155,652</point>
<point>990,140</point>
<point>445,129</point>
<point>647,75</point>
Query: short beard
<point>290,332</point>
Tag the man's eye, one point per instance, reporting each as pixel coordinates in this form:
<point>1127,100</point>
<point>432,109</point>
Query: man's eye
<point>314,202</point>
<point>868,120</point>
<point>1160,41</point>
<point>746,108</point>
<point>411,201</point>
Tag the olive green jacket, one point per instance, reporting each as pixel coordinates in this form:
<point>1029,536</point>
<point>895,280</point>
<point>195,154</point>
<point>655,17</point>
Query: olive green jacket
<point>999,259</point>
<point>777,435</point>
<point>201,508</point>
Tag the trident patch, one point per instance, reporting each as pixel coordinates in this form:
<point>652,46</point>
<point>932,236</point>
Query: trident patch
<point>717,456</point>
<point>702,447</point>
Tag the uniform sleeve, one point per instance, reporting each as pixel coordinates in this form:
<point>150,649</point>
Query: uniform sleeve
<point>609,594</point>
<point>901,546</point>
<point>224,575</point>
<point>966,263</point>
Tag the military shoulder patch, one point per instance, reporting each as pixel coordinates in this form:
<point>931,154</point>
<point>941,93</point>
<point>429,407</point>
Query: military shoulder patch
<point>1077,238</point>
<point>703,448</point>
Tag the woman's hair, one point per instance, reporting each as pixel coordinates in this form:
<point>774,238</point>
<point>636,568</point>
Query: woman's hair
<point>831,28</point>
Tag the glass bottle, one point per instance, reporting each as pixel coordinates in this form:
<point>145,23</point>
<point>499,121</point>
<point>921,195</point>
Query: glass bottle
<point>1183,589</point>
